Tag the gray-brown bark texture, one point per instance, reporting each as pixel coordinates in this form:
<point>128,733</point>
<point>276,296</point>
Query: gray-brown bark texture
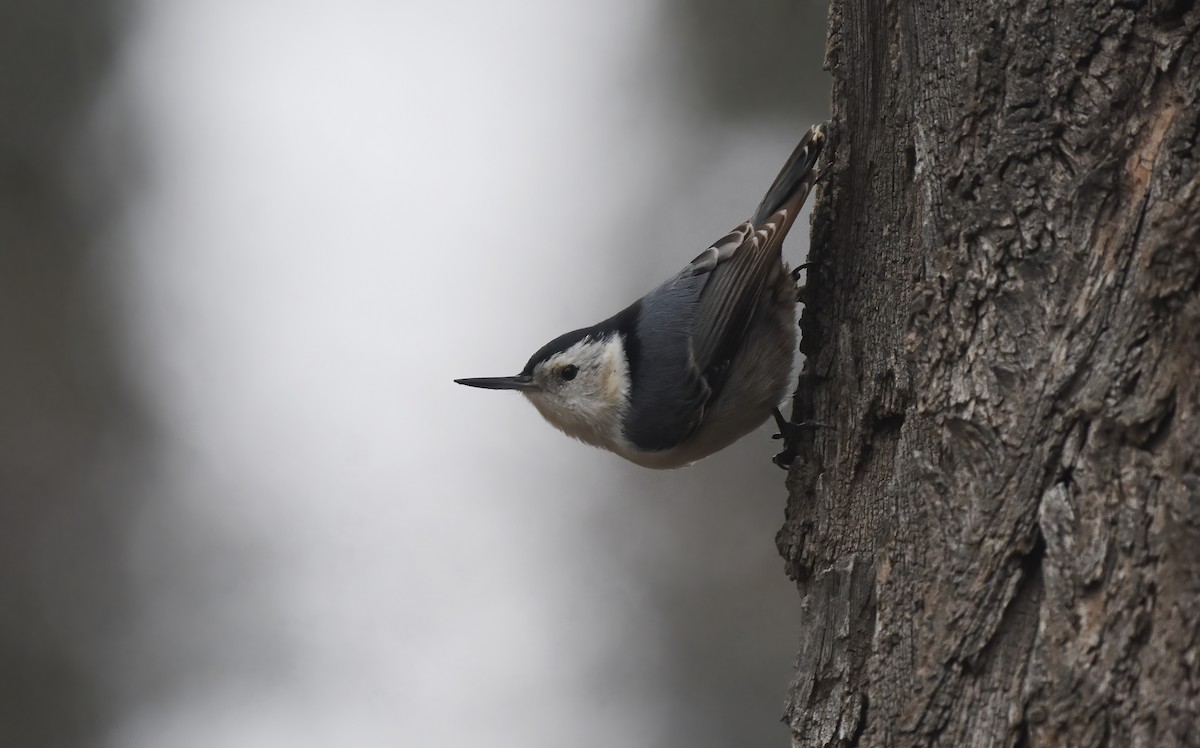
<point>999,542</point>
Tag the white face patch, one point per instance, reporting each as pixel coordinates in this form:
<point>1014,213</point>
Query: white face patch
<point>590,405</point>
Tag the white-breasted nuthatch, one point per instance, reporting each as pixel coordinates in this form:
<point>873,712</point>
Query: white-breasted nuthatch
<point>695,364</point>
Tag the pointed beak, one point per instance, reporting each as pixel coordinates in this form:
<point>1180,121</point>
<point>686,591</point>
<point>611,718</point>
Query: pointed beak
<point>519,382</point>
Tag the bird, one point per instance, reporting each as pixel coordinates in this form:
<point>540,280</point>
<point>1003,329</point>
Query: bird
<point>695,364</point>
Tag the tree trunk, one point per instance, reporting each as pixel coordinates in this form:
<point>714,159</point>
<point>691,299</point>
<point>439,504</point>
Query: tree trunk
<point>999,541</point>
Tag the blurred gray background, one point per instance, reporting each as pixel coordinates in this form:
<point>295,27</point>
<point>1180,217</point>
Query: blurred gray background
<point>244,248</point>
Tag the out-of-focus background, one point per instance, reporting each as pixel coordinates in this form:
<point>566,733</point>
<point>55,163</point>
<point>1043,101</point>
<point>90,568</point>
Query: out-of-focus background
<point>244,249</point>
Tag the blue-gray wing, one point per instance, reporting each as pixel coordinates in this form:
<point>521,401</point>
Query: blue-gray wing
<point>668,392</point>
<point>749,260</point>
<point>689,329</point>
<point>670,384</point>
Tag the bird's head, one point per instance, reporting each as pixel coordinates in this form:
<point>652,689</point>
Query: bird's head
<point>579,382</point>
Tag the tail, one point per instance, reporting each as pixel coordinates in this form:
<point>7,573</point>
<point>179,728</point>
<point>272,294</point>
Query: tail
<point>795,179</point>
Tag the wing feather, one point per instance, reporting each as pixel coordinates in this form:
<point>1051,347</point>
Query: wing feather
<point>689,328</point>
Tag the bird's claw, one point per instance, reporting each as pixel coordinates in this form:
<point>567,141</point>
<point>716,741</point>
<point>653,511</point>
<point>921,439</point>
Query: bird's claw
<point>791,434</point>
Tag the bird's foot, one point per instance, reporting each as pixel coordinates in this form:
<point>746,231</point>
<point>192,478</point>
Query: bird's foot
<point>801,288</point>
<point>792,434</point>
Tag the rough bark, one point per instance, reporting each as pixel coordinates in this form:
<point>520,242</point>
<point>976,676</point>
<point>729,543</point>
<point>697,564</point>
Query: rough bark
<point>999,542</point>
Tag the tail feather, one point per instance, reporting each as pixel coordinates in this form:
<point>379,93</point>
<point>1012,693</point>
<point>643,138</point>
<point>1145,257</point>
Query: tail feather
<point>796,177</point>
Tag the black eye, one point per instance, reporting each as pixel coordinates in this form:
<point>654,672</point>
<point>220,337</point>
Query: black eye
<point>568,372</point>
